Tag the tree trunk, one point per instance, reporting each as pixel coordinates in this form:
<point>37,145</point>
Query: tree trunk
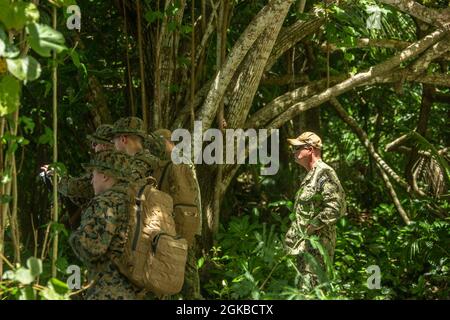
<point>246,82</point>
<point>237,55</point>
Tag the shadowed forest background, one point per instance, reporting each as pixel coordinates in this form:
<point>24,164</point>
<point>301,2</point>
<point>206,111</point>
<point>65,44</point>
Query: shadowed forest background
<point>370,77</point>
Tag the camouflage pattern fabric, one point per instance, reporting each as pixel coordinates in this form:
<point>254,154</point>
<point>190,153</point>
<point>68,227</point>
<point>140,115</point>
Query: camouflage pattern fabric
<point>100,239</point>
<point>143,165</point>
<point>111,285</point>
<point>319,203</point>
<point>130,126</point>
<point>112,163</point>
<point>102,135</point>
<point>156,146</point>
<point>78,189</point>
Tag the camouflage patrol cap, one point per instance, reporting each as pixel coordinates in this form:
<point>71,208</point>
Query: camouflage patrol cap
<point>307,138</point>
<point>102,135</point>
<point>111,163</point>
<point>164,133</point>
<point>129,125</point>
<point>155,144</point>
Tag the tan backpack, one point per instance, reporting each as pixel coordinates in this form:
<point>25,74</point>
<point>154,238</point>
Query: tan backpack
<point>177,181</point>
<point>154,257</point>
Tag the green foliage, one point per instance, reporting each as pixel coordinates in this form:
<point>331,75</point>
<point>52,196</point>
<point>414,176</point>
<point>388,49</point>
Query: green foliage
<point>22,283</point>
<point>25,68</point>
<point>249,261</point>
<point>43,39</point>
<point>9,95</point>
<point>17,14</point>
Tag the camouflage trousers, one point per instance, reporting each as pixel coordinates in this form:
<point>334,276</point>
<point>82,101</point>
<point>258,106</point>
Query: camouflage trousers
<point>311,269</point>
<point>111,285</point>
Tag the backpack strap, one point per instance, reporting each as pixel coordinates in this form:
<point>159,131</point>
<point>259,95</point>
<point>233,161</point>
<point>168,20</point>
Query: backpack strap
<point>155,242</point>
<point>138,216</point>
<point>163,175</point>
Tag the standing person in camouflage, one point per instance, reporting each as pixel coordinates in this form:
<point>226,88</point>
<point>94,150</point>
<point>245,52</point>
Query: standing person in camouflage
<point>319,203</point>
<point>102,234</point>
<point>180,182</point>
<point>129,136</point>
<point>79,189</point>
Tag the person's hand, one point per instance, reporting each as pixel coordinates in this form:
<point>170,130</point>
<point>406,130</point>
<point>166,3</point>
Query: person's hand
<point>48,171</point>
<point>46,175</point>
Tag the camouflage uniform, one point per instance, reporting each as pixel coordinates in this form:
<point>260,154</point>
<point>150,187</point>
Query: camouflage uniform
<point>143,165</point>
<point>156,146</point>
<point>102,135</point>
<point>319,203</point>
<point>145,161</point>
<point>79,189</point>
<point>180,181</point>
<point>101,237</point>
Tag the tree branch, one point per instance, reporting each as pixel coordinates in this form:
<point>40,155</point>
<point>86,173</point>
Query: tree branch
<point>366,42</point>
<point>236,56</point>
<point>381,164</point>
<point>410,52</point>
<point>436,17</point>
<point>208,32</point>
<point>283,102</point>
<point>252,68</point>
<point>364,138</point>
<point>284,79</point>
<point>434,52</point>
<point>292,35</point>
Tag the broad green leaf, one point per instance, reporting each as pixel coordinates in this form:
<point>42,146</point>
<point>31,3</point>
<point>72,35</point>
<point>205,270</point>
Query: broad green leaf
<point>47,137</point>
<point>25,69</point>
<point>75,58</point>
<point>22,141</point>
<point>62,264</point>
<point>151,16</point>
<point>59,286</point>
<point>27,293</point>
<point>43,39</point>
<point>200,262</point>
<point>349,57</point>
<point>9,95</point>
<point>8,275</point>
<point>35,266</point>
<point>24,276</point>
<point>49,293</point>
<point>10,51</point>
<point>7,50</point>
<point>28,124</point>
<point>58,228</point>
<point>17,14</point>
